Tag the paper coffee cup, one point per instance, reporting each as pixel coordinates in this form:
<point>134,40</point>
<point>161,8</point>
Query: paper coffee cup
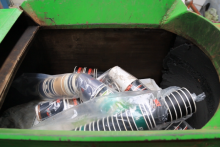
<point>121,77</point>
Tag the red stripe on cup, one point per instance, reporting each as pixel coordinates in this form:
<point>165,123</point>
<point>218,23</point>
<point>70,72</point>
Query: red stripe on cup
<point>157,102</point>
<point>128,88</point>
<point>79,70</point>
<point>177,128</point>
<point>90,70</point>
<point>137,87</point>
<point>75,102</point>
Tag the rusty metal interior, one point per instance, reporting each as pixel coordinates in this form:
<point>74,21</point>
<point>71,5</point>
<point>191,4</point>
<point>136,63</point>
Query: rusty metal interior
<point>145,53</point>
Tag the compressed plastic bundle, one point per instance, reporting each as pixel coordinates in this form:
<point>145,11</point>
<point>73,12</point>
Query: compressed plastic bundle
<point>147,116</point>
<point>61,86</point>
<point>142,110</point>
<point>48,109</point>
<point>49,87</point>
<point>183,125</point>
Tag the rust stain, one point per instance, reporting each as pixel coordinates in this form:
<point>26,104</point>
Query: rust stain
<point>30,12</point>
<point>87,24</point>
<point>217,25</point>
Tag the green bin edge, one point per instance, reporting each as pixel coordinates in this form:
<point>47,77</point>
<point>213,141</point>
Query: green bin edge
<point>170,15</point>
<point>7,19</point>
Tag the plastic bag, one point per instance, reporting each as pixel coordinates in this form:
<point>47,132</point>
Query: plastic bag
<point>150,84</point>
<point>64,86</point>
<point>21,116</point>
<point>47,109</point>
<point>183,125</point>
<point>27,83</point>
<point>88,88</point>
<point>145,109</point>
<point>61,86</point>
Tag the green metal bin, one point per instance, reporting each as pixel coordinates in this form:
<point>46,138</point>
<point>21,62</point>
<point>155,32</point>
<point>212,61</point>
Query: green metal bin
<point>53,36</point>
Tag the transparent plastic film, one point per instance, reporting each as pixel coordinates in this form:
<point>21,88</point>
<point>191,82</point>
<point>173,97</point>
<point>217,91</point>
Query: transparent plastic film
<point>127,111</point>
<point>182,125</point>
<point>86,88</point>
<point>27,84</point>
<point>47,109</point>
<point>91,110</point>
<point>20,116</point>
<point>89,88</point>
<point>61,86</point>
<point>153,114</point>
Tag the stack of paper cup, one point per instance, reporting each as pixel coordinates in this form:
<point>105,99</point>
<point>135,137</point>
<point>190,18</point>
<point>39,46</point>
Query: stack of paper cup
<point>94,72</point>
<point>44,110</point>
<point>146,116</point>
<point>125,81</point>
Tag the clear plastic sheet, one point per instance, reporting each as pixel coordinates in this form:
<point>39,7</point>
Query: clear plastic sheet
<point>21,116</point>
<point>47,109</point>
<point>61,86</point>
<point>88,88</point>
<point>27,83</point>
<point>49,87</point>
<point>183,125</point>
<point>142,110</point>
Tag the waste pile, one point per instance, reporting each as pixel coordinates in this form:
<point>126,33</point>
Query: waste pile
<point>92,100</point>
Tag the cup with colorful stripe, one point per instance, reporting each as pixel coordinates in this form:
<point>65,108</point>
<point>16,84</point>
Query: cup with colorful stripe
<point>89,88</point>
<point>45,110</point>
<point>125,80</point>
<point>180,104</point>
<point>72,85</point>
<point>94,72</point>
<point>150,115</point>
<point>183,125</point>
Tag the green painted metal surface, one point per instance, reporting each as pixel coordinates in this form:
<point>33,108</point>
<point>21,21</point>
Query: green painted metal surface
<point>51,135</point>
<point>7,18</point>
<point>170,15</point>
<point>98,12</point>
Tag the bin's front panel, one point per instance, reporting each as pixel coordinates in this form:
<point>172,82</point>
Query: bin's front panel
<point>97,13</point>
<point>190,138</point>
